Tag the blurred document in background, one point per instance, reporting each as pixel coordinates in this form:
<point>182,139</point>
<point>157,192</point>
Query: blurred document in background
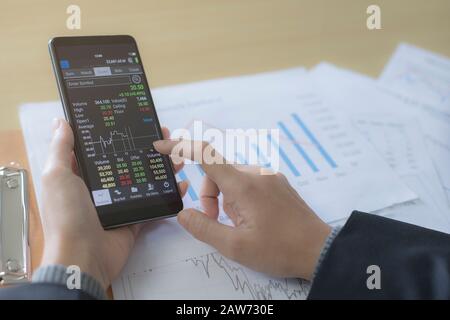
<point>421,75</point>
<point>422,80</point>
<point>394,129</point>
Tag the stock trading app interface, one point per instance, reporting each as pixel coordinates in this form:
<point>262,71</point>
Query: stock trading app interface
<point>115,123</point>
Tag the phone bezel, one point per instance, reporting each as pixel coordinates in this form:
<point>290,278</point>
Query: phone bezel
<point>132,211</point>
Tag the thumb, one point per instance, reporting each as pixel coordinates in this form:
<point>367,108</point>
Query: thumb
<point>206,229</point>
<point>61,146</point>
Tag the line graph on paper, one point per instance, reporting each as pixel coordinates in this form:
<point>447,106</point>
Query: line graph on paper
<point>211,276</point>
<point>241,282</point>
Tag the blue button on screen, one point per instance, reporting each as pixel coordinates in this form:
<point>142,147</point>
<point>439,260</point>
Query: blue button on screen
<point>64,64</point>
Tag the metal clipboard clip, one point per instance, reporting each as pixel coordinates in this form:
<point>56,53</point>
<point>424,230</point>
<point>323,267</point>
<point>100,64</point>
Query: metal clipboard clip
<point>14,246</point>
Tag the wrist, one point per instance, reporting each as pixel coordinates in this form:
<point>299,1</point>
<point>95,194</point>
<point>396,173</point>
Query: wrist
<point>60,253</point>
<point>311,250</point>
<point>326,246</point>
<point>56,274</point>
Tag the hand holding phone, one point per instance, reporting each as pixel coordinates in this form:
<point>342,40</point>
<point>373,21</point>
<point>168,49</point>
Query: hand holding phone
<point>108,103</point>
<point>73,233</point>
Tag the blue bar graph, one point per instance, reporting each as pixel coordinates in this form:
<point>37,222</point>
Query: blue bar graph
<point>313,139</point>
<point>297,146</point>
<point>265,163</point>
<point>191,190</point>
<point>285,158</point>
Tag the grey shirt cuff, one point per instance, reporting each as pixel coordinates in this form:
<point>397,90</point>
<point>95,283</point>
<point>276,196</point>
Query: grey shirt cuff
<point>333,234</point>
<point>58,274</point>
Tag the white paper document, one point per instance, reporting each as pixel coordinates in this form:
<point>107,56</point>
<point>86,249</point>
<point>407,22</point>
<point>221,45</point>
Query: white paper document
<point>324,157</point>
<point>421,75</point>
<point>395,131</point>
<point>401,143</point>
<point>421,79</point>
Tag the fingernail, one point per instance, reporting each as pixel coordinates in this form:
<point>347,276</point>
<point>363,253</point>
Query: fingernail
<point>55,124</point>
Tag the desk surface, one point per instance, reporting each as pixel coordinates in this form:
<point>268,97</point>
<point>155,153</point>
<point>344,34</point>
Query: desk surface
<point>183,41</point>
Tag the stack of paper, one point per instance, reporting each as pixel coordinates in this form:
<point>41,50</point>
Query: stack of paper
<point>347,142</point>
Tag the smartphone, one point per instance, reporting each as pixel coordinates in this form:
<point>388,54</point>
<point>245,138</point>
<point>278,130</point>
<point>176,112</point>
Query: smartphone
<point>107,101</point>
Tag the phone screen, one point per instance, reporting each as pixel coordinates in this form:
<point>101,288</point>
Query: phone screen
<point>109,105</point>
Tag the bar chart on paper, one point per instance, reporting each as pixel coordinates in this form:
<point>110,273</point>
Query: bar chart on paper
<point>297,158</point>
<point>333,169</point>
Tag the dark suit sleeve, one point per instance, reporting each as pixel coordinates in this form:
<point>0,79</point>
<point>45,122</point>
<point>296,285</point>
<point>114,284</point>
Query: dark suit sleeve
<point>42,291</point>
<point>414,262</point>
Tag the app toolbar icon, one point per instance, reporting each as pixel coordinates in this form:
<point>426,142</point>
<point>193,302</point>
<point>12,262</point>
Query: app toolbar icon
<point>64,64</point>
